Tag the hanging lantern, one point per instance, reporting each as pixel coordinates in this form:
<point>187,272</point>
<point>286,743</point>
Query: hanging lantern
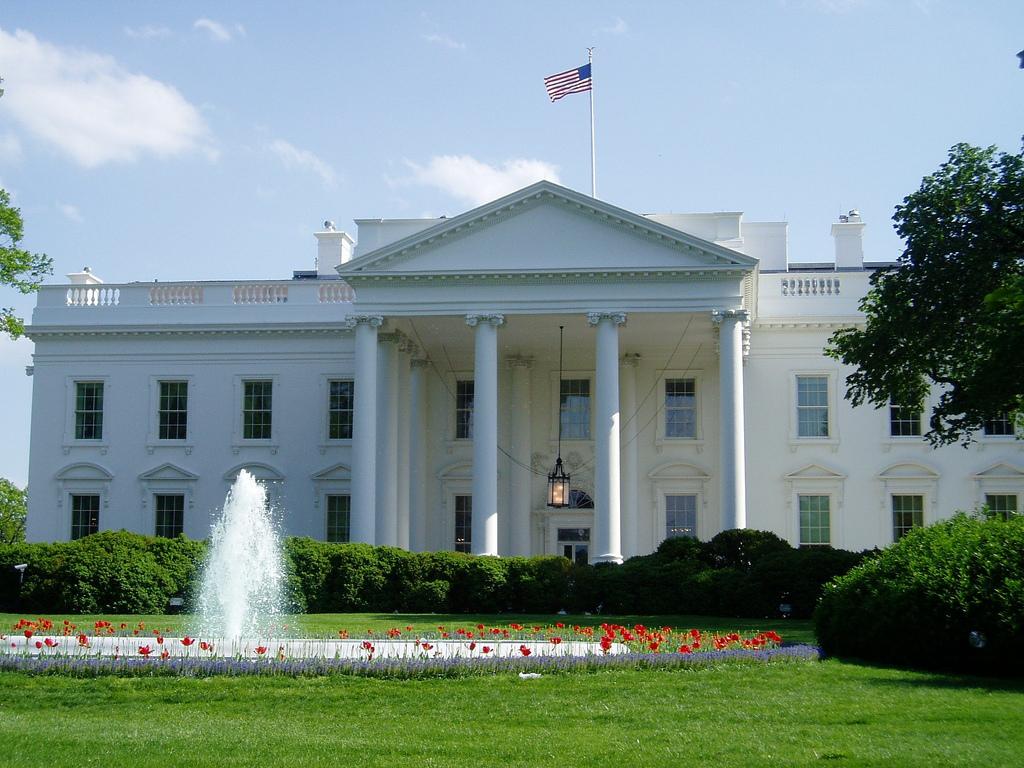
<point>558,481</point>
<point>558,486</point>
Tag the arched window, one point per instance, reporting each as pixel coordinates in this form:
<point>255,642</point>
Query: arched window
<point>580,499</point>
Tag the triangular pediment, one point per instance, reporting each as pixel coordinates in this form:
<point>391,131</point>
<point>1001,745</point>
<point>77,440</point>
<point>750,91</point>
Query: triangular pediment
<point>1000,470</point>
<point>168,471</point>
<point>546,228</point>
<point>335,472</point>
<point>815,472</point>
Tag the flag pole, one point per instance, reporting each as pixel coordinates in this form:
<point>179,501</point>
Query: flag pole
<point>593,151</point>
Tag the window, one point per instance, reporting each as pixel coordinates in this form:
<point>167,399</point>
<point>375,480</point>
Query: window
<point>464,409</point>
<point>339,518</point>
<point>339,410</point>
<point>89,410</point>
<point>170,514</point>
<point>814,521</point>
<point>463,523</point>
<point>812,406</point>
<point>173,410</point>
<point>574,409</point>
<point>574,544</point>
<point>680,408</point>
<point>907,513</point>
<point>681,515</point>
<point>1002,505</point>
<point>904,422</point>
<point>85,514</point>
<point>999,426</point>
<point>256,410</point>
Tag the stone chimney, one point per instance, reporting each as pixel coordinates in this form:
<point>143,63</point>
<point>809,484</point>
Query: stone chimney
<point>333,247</point>
<point>849,235</point>
<point>85,277</point>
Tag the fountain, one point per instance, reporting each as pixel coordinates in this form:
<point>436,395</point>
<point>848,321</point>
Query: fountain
<point>240,605</point>
<point>243,580</point>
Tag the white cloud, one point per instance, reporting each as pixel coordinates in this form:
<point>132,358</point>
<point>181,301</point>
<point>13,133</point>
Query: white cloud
<point>219,32</point>
<point>10,148</point>
<point>444,41</point>
<point>147,31</point>
<point>466,178</point>
<point>90,108</point>
<point>71,212</point>
<point>617,27</point>
<point>294,158</point>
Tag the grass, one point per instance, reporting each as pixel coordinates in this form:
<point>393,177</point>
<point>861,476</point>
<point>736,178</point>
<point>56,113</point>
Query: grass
<point>792,714</point>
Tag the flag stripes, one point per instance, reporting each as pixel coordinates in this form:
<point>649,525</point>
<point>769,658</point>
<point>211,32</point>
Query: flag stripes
<point>575,80</point>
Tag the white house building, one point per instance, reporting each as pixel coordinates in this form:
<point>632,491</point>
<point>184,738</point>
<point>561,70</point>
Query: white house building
<point>408,392</point>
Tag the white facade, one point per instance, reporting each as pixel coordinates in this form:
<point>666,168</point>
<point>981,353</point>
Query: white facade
<point>694,395</point>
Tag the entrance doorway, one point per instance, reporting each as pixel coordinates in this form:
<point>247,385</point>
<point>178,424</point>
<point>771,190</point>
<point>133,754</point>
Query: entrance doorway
<point>574,543</point>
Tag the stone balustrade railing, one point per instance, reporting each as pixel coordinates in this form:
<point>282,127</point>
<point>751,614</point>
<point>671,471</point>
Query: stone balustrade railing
<point>210,294</point>
<point>810,286</point>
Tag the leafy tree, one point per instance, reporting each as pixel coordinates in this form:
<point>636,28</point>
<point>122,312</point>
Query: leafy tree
<point>951,313</point>
<point>13,508</point>
<point>18,268</point>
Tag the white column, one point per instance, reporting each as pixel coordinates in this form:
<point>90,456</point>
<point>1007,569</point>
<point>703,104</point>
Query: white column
<point>387,440</point>
<point>417,455</point>
<point>364,429</point>
<point>630,454</point>
<point>485,433</point>
<point>608,493</point>
<point>520,477</point>
<point>730,374</point>
<point>404,349</point>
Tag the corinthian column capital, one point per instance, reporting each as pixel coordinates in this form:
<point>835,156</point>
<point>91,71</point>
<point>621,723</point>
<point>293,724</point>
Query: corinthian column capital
<point>617,318</point>
<point>494,318</point>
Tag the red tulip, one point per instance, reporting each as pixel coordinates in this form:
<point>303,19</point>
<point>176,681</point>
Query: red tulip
<point>28,633</point>
<point>556,640</point>
<point>426,646</point>
<point>83,640</point>
<point>165,654</point>
<point>203,645</point>
<point>261,649</point>
<point>38,645</point>
<point>187,641</point>
<point>685,649</point>
<point>486,649</point>
<point>145,650</point>
<point>524,650</point>
<point>50,642</point>
<point>472,646</point>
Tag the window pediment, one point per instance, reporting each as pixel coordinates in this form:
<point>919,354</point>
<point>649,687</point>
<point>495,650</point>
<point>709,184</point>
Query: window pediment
<point>168,471</point>
<point>815,472</point>
<point>908,471</point>
<point>85,471</point>
<point>1002,470</point>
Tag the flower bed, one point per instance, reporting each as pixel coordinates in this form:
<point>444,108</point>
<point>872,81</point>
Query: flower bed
<point>40,647</point>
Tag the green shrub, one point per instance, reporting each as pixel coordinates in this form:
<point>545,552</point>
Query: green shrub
<point>742,548</point>
<point>537,584</point>
<point>796,577</point>
<point>920,602</point>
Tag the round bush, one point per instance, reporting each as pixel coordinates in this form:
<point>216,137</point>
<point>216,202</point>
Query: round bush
<point>947,596</point>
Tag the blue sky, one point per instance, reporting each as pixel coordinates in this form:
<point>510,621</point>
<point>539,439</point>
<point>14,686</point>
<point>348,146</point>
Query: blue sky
<point>209,140</point>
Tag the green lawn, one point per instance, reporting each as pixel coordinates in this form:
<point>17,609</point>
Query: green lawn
<point>751,715</point>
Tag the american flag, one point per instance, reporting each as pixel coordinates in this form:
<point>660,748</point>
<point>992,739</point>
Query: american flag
<point>571,81</point>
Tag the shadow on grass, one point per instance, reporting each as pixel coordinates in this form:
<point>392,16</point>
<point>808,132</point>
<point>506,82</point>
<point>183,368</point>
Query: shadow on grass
<point>951,679</point>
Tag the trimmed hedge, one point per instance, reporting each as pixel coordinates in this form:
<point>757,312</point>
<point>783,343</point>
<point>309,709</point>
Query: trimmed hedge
<point>737,573</point>
<point>109,572</point>
<point>919,602</point>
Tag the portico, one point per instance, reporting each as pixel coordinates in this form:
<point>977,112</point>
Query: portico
<point>635,297</point>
